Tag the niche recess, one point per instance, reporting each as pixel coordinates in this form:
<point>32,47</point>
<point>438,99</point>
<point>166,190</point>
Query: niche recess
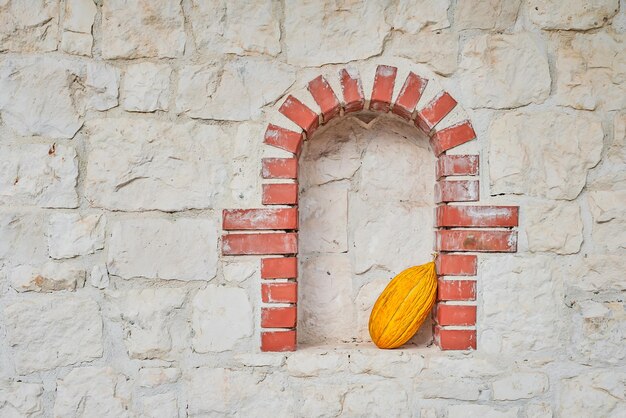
<point>461,227</point>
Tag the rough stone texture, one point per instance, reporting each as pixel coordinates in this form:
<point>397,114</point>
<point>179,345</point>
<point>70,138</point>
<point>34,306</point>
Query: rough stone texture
<point>593,393</point>
<point>79,18</point>
<point>484,411</point>
<point>20,399</point>
<point>545,231</point>
<point>438,50</point>
<point>38,174</point>
<point>99,276</point>
<point>521,385</point>
<point>138,164</point>
<point>29,26</point>
<point>609,215</point>
<point>571,14</point>
<point>491,14</point>
<point>433,15</point>
<point>207,91</point>
<point>142,29</point>
<point>48,331</point>
<point>329,203</point>
<point>518,74</point>
<point>544,154</point>
<point>70,235</point>
<point>50,277</point>
<point>151,377</point>
<point>24,240</point>
<point>146,87</point>
<point>221,317</point>
<point>181,249</point>
<point>381,399</point>
<point>161,405</point>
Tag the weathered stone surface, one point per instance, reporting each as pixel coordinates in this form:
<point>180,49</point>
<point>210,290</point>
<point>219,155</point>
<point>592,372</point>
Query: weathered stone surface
<point>490,14</point>
<point>391,365</point>
<point>23,238</point>
<point>318,33</point>
<point>545,229</point>
<point>318,401</point>
<point>99,276</point>
<point>29,26</point>
<point>238,27</point>
<point>161,405</point>
<point>79,18</point>
<point>543,154</point>
<point>146,87</point>
<point>539,410</point>
<point>48,331</point>
<point>518,73</point>
<point>595,393</point>
<point>180,249</point>
<point>609,216</point>
<point>148,316</point>
<point>48,278</point>
<point>571,14</point>
<point>617,150</point>
<point>47,96</point>
<point>221,317</point>
<point>325,308</point>
<point>380,399</point>
<point>309,363</point>
<point>520,385</point>
<point>483,411</point>
<point>438,50</point>
<point>92,391</point>
<point>71,235</point>
<point>150,377</point>
<point>20,399</point>
<point>38,174</point>
<point>77,43</point>
<point>364,302</point>
<point>238,270</point>
<point>590,71</point>
<point>597,273</point>
<point>207,91</point>
<point>432,15</point>
<point>137,164</point>
<point>142,29</point>
<point>324,219</point>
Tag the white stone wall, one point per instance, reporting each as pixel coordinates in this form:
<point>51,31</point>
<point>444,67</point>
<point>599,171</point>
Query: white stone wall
<point>126,127</point>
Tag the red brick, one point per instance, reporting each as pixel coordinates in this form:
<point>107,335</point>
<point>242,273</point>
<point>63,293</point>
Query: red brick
<point>457,165</point>
<point>260,244</point>
<point>477,216</point>
<point>458,315</point>
<point>280,168</point>
<point>452,136</point>
<point>456,191</point>
<point>353,98</point>
<point>279,268</point>
<point>382,91</point>
<point>455,339</point>
<point>280,194</point>
<point>409,95</point>
<point>434,112</point>
<point>300,114</point>
<point>279,292</point>
<point>279,317</point>
<point>283,138</point>
<point>278,341</point>
<point>456,289</point>
<point>325,97</point>
<point>474,240</point>
<point>237,219</point>
<point>456,265</point>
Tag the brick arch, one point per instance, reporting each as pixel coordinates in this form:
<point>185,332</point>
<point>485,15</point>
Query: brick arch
<point>462,228</point>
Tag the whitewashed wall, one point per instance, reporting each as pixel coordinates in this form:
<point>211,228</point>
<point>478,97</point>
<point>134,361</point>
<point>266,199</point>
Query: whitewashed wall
<point>126,128</point>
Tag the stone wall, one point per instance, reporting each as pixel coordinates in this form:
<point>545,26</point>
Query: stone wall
<point>126,128</point>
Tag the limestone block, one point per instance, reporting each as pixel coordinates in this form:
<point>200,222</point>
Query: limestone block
<point>79,18</point>
<point>311,363</point>
<point>393,364</point>
<point>252,359</point>
<point>207,91</point>
<point>609,216</point>
<point>365,299</point>
<point>71,235</point>
<point>99,277</point>
<point>544,154</point>
<point>150,377</point>
<point>48,331</point>
<point>490,14</point>
<point>520,385</point>
<point>571,14</point>
<point>432,15</point>
<point>92,391</point>
<point>221,317</point>
<point>148,318</point>
<point>518,73</point>
<point>181,249</point>
<point>236,27</point>
<point>77,43</point>
<point>20,399</point>
<point>23,238</point>
<point>146,87</point>
<point>38,174</point>
<point>617,150</point>
<point>48,278</point>
<point>324,219</point>
<point>161,405</point>
<point>483,411</point>
<point>29,26</point>
<point>595,393</point>
<point>320,32</point>
<point>590,69</point>
<point>595,273</point>
<point>554,227</point>
<point>137,164</point>
<point>142,29</point>
<point>321,401</point>
<point>380,399</point>
<point>237,270</point>
<point>438,50</point>
<point>325,308</point>
<point>539,410</point>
